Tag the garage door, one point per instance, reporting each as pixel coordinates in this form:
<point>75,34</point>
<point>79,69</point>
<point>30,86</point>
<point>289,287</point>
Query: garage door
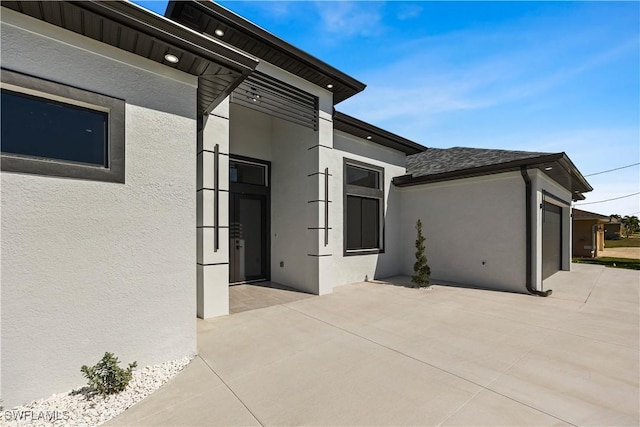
<point>551,239</point>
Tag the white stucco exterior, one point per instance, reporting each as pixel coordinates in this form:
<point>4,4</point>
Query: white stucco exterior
<point>87,266</point>
<point>357,268</point>
<point>540,183</point>
<point>296,219</point>
<point>474,229</point>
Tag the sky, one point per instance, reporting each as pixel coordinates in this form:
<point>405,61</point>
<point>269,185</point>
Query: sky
<point>532,76</point>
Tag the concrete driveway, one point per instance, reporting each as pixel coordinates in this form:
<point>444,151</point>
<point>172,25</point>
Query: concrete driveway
<point>632,253</point>
<point>379,354</point>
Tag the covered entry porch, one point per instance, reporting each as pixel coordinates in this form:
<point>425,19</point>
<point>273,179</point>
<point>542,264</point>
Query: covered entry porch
<point>260,170</point>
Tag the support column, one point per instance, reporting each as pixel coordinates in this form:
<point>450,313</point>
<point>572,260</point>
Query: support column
<point>320,236</point>
<point>212,226</point>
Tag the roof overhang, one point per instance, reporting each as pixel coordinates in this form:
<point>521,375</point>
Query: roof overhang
<point>557,166</point>
<point>125,25</point>
<point>206,17</point>
<point>374,134</point>
<point>581,215</point>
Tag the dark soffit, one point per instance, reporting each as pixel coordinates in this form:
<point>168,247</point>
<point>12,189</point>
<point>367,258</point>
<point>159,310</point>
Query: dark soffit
<point>219,68</point>
<point>372,133</point>
<point>207,17</point>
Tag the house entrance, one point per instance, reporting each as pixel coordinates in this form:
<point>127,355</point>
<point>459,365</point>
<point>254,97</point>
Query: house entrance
<point>249,206</point>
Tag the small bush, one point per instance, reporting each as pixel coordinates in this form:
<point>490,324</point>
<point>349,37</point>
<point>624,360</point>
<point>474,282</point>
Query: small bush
<point>420,268</point>
<point>106,377</point>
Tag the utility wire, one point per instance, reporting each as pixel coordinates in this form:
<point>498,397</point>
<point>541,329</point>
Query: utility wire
<point>611,170</point>
<point>608,200</point>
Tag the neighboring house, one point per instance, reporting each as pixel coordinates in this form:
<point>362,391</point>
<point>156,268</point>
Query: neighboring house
<point>613,229</point>
<point>588,233</point>
<point>192,152</point>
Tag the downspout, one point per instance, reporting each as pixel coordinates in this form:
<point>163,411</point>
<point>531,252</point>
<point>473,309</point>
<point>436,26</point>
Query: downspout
<point>593,240</point>
<point>529,235</point>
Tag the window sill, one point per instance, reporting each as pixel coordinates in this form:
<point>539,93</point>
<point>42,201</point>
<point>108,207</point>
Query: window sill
<point>356,252</point>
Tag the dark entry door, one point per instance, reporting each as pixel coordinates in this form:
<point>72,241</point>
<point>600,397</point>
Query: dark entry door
<point>248,257</point>
<point>248,221</point>
<point>551,239</point>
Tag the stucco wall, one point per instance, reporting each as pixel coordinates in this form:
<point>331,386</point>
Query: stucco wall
<point>356,268</point>
<point>89,267</point>
<point>474,229</point>
<point>542,182</point>
<point>289,205</point>
<point>250,133</point>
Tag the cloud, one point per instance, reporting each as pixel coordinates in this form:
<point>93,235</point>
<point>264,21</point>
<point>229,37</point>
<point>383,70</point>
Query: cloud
<point>430,80</point>
<point>408,11</point>
<point>348,19</point>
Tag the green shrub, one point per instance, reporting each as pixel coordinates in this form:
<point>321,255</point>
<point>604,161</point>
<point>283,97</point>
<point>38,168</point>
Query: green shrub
<point>106,377</point>
<point>420,268</point>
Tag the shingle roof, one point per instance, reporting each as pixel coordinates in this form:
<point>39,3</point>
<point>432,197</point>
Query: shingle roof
<point>580,214</point>
<point>436,160</point>
<point>436,164</point>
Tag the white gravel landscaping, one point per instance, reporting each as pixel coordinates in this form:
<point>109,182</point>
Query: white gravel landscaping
<point>80,408</point>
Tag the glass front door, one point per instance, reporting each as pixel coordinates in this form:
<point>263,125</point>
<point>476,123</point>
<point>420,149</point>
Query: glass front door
<point>248,221</point>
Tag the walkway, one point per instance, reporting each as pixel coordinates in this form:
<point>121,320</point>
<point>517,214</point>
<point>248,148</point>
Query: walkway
<point>252,296</point>
<point>377,354</point>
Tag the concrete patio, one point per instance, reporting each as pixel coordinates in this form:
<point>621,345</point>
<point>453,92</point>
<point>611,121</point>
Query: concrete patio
<point>384,354</point>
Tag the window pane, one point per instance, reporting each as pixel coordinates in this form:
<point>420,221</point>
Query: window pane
<point>246,173</point>
<point>362,177</point>
<point>370,228</point>
<point>41,127</point>
<point>363,223</point>
<point>354,216</point>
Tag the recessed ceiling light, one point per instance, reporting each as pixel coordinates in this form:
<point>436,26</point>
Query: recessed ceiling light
<point>369,137</point>
<point>171,58</point>
<point>548,168</point>
<point>219,32</point>
<point>329,86</point>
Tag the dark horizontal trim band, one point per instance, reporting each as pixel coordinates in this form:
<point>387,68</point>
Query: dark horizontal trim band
<point>319,145</point>
<point>211,265</point>
<point>212,152</point>
<point>212,189</point>
<point>320,201</point>
<point>319,228</point>
<point>219,116</point>
<point>318,173</point>
<point>318,256</point>
<point>355,252</point>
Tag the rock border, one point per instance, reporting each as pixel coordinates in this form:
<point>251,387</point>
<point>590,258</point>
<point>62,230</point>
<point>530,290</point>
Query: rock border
<point>80,407</point>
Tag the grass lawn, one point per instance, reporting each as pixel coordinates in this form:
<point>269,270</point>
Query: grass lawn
<point>631,242</point>
<point>631,264</point>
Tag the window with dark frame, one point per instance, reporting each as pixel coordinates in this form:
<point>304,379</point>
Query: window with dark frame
<point>49,128</point>
<point>364,199</point>
<point>40,127</point>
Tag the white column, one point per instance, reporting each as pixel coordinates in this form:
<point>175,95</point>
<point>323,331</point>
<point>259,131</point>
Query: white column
<point>213,214</point>
<point>320,230</point>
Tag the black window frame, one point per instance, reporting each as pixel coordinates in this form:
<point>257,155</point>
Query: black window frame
<point>37,88</point>
<point>364,193</point>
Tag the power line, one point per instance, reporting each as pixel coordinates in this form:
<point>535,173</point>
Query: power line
<point>611,170</point>
<point>608,200</point>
